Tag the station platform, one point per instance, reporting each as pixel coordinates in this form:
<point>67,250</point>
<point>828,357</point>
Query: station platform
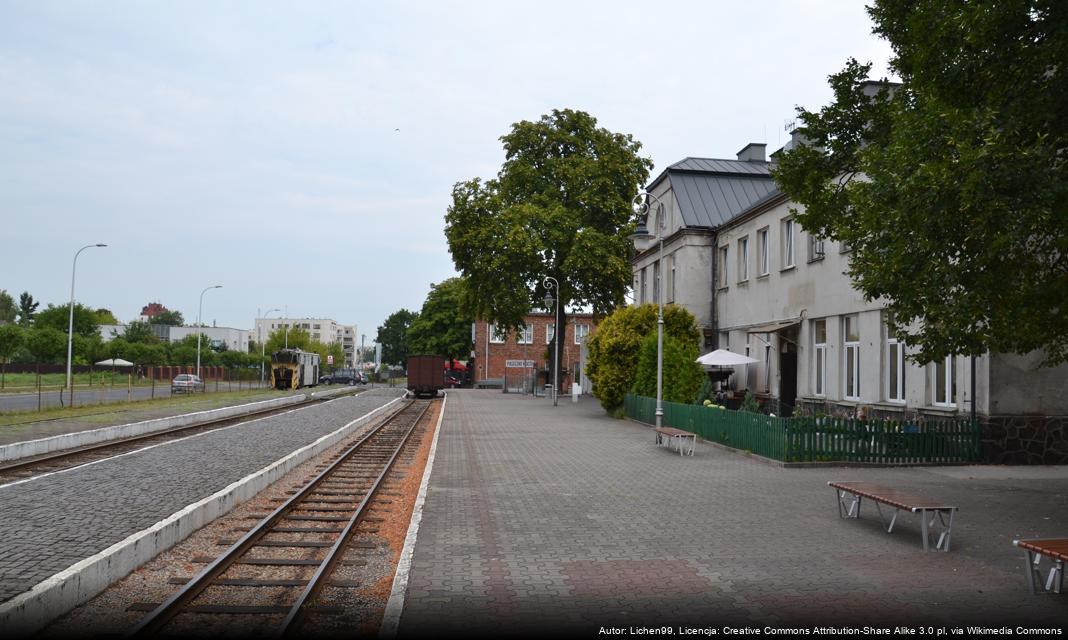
<point>542,519</point>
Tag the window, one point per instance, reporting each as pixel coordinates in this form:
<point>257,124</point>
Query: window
<point>815,248</point>
<point>722,266</point>
<point>526,336</point>
<point>497,335</point>
<point>315,326</point>
<point>762,252</point>
<point>550,331</point>
<point>851,333</point>
<point>787,243</point>
<point>819,343</point>
<point>743,259</point>
<point>845,247</point>
<point>945,382</point>
<point>643,298</point>
<point>671,289</point>
<point>581,331</point>
<point>895,365</point>
<point>656,281</point>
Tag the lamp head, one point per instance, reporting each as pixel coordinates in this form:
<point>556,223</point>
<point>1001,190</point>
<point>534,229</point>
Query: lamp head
<point>101,245</point>
<point>548,300</point>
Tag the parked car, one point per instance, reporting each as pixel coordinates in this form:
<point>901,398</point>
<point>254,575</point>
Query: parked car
<point>186,383</point>
<point>341,376</point>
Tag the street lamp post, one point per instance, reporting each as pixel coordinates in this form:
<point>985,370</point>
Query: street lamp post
<point>263,343</point>
<point>70,325</point>
<point>550,284</point>
<point>200,307</point>
<point>640,234</point>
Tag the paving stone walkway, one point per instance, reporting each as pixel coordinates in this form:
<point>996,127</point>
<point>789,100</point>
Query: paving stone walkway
<point>543,519</point>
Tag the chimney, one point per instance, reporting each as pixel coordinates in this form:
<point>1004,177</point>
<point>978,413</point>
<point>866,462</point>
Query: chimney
<point>752,152</point>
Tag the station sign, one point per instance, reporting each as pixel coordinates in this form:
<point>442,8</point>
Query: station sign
<point>519,364</point>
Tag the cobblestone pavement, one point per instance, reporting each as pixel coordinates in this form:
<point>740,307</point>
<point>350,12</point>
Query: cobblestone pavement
<point>52,522</point>
<point>548,520</point>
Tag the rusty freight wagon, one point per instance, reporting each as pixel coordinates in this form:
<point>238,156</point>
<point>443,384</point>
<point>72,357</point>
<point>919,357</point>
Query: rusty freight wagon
<point>426,375</point>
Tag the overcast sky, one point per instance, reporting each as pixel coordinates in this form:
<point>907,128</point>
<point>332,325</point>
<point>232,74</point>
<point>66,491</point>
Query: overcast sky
<point>302,154</point>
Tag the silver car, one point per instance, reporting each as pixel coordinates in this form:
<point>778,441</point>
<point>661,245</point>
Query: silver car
<point>186,383</point>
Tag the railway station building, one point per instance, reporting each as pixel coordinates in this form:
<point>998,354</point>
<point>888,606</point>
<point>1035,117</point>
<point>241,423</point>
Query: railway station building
<point>761,286</point>
<point>520,361</point>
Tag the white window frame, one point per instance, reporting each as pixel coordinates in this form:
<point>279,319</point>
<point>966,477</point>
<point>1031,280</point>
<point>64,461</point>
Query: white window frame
<point>850,374</point>
<point>788,243</point>
<point>581,331</point>
<point>526,335</point>
<point>816,249</point>
<point>496,336</point>
<point>819,362</point>
<point>895,346</point>
<point>948,383</point>
<point>550,331</point>
<point>743,259</point>
<point>722,256</point>
<point>763,261</point>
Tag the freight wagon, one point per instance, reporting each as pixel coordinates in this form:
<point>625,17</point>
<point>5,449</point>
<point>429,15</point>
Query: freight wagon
<point>426,375</point>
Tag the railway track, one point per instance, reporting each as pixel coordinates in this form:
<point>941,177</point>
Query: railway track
<point>75,457</point>
<point>306,539</point>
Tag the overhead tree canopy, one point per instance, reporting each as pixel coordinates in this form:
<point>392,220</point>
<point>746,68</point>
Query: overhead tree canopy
<point>172,318</point>
<point>443,326</point>
<point>393,336</point>
<point>952,188</point>
<point>560,206</point>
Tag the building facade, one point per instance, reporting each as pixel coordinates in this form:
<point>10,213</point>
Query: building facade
<point>522,359</point>
<point>324,330</point>
<point>782,297</point>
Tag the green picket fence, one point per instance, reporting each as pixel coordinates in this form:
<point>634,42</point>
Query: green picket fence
<point>819,439</point>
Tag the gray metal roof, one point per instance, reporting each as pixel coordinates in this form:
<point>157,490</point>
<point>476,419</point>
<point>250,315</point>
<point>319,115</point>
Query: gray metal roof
<point>713,199</point>
<point>717,165</point>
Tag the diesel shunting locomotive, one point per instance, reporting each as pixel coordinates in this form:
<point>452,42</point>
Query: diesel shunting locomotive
<point>293,369</point>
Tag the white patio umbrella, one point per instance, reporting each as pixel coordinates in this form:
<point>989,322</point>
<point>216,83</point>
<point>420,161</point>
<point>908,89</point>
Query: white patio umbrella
<point>724,358</point>
<point>115,362</point>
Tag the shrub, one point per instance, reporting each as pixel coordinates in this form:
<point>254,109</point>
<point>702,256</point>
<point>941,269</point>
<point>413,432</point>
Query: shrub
<point>682,376</point>
<point>613,349</point>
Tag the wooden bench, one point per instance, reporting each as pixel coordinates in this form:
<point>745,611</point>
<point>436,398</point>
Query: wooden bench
<point>933,514</point>
<point>1056,549</point>
<point>677,437</point>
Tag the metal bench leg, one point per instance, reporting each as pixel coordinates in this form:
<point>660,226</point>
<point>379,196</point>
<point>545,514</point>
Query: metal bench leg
<point>890,527</point>
<point>847,508</point>
<point>936,518</point>
<point>1054,582</point>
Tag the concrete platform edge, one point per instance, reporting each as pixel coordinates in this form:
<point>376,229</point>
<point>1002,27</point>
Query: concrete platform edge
<point>395,604</point>
<point>31,611</point>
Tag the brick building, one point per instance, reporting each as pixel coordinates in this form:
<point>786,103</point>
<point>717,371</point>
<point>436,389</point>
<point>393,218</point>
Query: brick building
<point>521,359</point>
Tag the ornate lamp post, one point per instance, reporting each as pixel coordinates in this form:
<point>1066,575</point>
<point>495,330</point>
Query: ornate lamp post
<point>70,325</point>
<point>550,284</point>
<point>642,234</point>
<point>200,307</point>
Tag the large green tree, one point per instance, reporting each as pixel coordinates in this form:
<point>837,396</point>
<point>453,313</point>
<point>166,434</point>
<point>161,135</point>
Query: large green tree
<point>138,331</point>
<point>951,188</point>
<point>8,310</point>
<point>560,206</point>
<point>615,346</point>
<point>171,318</point>
<point>27,308</point>
<point>393,336</point>
<point>443,326</point>
<point>85,319</point>
<point>11,337</point>
<point>46,344</point>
